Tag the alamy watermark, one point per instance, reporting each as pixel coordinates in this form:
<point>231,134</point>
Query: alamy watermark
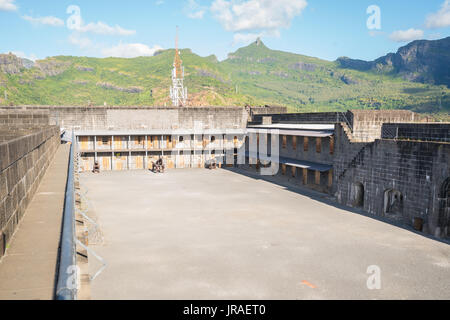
<point>73,280</point>
<point>74,21</point>
<point>374,19</point>
<point>258,147</point>
<point>374,280</point>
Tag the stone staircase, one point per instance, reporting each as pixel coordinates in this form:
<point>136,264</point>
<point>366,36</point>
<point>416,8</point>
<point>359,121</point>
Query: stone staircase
<point>357,159</point>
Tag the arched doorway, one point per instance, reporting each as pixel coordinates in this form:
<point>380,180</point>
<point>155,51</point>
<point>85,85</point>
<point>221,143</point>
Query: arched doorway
<point>444,208</point>
<point>393,202</point>
<point>358,195</point>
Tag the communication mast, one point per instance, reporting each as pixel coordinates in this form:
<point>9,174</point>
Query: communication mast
<point>178,93</point>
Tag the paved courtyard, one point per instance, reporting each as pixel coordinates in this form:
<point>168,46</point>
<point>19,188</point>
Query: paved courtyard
<point>200,234</point>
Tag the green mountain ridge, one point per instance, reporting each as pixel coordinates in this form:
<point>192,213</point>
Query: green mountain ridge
<point>424,61</point>
<point>254,75</point>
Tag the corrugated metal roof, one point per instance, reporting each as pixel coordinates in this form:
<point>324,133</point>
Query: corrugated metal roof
<point>289,126</point>
<point>295,162</point>
<point>144,132</point>
<point>298,133</point>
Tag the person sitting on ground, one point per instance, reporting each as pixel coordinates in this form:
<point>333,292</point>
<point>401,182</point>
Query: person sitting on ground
<point>159,166</point>
<point>213,164</point>
<point>96,167</point>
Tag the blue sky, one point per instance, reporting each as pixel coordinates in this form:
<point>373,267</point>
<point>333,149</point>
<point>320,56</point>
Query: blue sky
<point>321,28</point>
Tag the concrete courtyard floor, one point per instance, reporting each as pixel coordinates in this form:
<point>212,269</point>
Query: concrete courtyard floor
<point>200,234</point>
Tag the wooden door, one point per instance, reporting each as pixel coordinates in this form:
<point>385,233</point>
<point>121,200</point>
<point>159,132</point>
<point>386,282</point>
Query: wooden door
<point>331,145</point>
<point>106,163</point>
<point>318,145</point>
<point>139,142</point>
<point>305,144</point>
<point>201,162</point>
<point>305,176</point>
<point>117,143</point>
<point>317,177</point>
<point>139,162</point>
<point>180,161</point>
<point>84,143</point>
<point>330,178</point>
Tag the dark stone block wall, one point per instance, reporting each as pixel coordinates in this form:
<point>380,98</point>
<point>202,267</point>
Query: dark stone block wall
<point>23,162</point>
<point>417,131</point>
<point>415,171</point>
<point>307,118</point>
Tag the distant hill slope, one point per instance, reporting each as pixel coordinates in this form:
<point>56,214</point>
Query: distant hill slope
<point>253,75</point>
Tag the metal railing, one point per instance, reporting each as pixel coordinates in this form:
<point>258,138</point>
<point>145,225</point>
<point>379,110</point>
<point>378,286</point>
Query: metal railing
<point>66,287</point>
<point>344,117</point>
<point>389,132</point>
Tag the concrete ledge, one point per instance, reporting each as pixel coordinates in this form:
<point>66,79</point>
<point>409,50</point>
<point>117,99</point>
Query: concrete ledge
<point>23,162</point>
<point>27,271</point>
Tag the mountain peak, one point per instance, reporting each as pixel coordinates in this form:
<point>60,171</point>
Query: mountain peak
<point>258,43</point>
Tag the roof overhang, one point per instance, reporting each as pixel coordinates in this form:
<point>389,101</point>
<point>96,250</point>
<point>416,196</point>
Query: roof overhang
<point>303,164</point>
<point>299,133</point>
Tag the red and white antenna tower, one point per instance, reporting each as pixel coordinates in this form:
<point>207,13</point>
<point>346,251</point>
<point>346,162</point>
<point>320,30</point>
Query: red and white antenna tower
<point>178,93</point>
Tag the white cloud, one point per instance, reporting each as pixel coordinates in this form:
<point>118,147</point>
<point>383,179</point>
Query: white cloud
<point>159,2</point>
<point>256,15</point>
<point>50,21</point>
<point>21,54</point>
<point>79,41</point>
<point>76,23</point>
<point>406,35</point>
<point>130,50</point>
<point>8,5</point>
<point>194,10</point>
<point>104,29</point>
<point>197,14</point>
<point>441,18</point>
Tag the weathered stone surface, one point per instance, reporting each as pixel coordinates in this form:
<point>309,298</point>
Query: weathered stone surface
<point>137,118</point>
<point>414,131</point>
<point>10,64</point>
<point>415,169</point>
<point>24,156</point>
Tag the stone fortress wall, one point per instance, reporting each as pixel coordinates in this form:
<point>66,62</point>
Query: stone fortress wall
<point>146,118</point>
<point>27,146</point>
<point>392,164</point>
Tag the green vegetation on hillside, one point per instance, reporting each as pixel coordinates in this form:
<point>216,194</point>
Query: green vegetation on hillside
<point>254,75</point>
